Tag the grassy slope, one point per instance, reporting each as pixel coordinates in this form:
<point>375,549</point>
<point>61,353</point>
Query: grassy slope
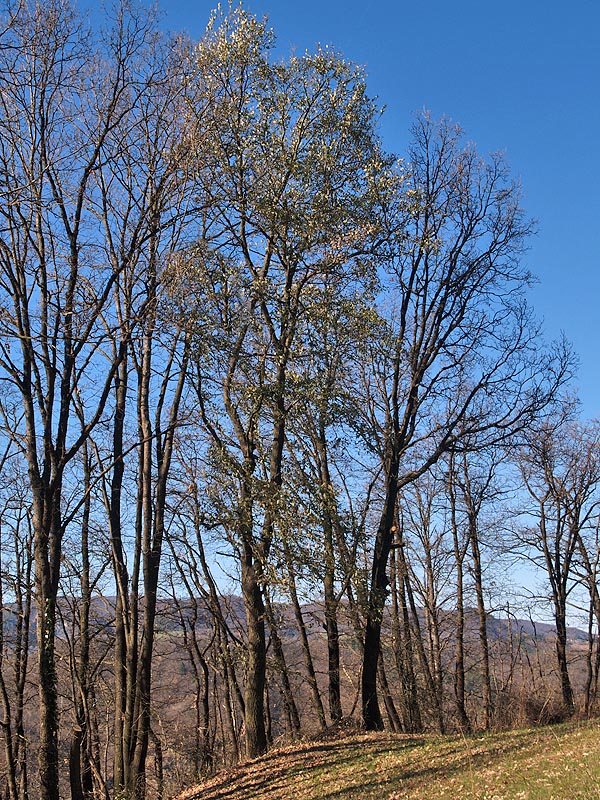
<point>557,763</point>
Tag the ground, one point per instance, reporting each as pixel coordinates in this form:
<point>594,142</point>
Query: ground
<point>553,763</point>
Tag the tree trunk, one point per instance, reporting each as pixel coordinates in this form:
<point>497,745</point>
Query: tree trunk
<point>561,655</point>
<point>482,621</point>
<point>437,708</point>
<point>308,661</point>
<point>286,687</point>
<point>47,538</point>
<point>378,591</point>
<point>331,601</point>
<point>403,652</point>
<point>256,737</point>
<point>459,648</point>
<point>75,781</point>
<point>390,707</point>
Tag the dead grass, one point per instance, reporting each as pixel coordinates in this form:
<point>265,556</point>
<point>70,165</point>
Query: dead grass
<point>554,763</point>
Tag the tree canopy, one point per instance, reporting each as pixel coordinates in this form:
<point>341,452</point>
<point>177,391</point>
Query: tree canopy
<point>239,337</point>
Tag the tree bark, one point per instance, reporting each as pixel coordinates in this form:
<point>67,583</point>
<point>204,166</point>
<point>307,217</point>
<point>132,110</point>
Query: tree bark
<point>256,737</point>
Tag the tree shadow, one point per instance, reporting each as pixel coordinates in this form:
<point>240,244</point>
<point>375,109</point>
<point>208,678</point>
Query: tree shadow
<point>274,776</point>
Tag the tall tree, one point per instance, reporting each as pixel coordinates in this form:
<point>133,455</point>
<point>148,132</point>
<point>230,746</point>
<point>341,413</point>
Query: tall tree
<point>56,117</point>
<point>147,209</point>
<point>461,360</point>
<point>293,172</point>
<point>92,162</point>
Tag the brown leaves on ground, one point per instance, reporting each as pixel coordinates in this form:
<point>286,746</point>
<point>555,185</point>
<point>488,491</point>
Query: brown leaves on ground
<point>556,763</point>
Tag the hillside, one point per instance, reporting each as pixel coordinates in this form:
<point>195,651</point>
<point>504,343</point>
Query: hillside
<point>552,763</point>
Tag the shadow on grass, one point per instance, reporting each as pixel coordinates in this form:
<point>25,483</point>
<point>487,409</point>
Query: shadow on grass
<point>278,773</point>
<point>323,771</point>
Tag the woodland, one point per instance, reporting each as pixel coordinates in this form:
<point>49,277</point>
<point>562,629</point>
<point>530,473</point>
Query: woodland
<point>282,444</point>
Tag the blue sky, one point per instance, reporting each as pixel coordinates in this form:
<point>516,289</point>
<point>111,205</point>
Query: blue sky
<point>522,77</point>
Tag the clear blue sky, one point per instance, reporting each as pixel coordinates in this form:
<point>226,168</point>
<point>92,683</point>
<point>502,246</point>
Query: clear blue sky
<point>521,76</point>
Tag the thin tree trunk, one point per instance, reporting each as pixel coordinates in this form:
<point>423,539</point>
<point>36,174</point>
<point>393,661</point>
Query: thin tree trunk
<point>331,601</point>
<point>286,687</point>
<point>390,706</point>
<point>482,621</point>
<point>419,644</point>
<point>403,647</point>
<point>560,619</point>
<point>459,631</point>
<point>308,661</point>
<point>6,723</point>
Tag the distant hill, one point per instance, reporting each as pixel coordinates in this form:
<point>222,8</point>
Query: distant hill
<point>168,618</point>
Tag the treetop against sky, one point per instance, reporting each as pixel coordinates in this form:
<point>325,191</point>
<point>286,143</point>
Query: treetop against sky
<point>521,78</point>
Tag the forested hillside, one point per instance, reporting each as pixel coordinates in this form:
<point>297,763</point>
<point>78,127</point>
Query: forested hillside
<point>278,428</point>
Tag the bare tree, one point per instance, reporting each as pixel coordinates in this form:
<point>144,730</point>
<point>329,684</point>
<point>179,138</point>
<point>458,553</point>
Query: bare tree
<point>92,169</point>
<point>459,359</point>
<point>474,491</point>
<point>423,528</point>
<point>589,551</point>
<point>56,120</point>
<point>147,210</point>
<point>16,591</point>
<point>85,562</point>
<point>561,472</point>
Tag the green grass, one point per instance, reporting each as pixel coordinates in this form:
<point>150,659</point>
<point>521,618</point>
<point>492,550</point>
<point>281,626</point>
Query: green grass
<point>553,763</point>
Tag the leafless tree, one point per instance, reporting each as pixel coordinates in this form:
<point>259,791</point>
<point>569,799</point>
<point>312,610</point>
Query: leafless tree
<point>58,112</point>
<point>16,591</point>
<point>561,472</point>
<point>460,359</point>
